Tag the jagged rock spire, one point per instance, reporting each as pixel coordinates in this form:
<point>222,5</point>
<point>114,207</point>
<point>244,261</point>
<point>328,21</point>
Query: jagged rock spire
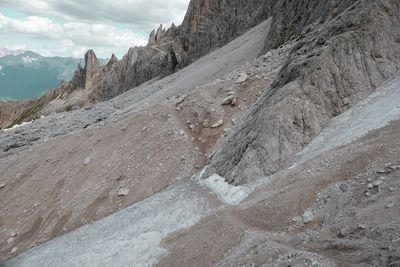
<point>112,60</point>
<point>152,38</point>
<point>159,33</point>
<point>91,61</point>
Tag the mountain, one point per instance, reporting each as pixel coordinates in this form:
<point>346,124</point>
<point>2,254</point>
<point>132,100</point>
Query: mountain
<point>9,52</point>
<point>27,75</point>
<point>257,133</point>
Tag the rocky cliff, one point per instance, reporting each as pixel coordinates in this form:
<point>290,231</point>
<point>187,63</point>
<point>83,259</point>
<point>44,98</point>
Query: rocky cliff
<point>160,57</point>
<point>213,23</point>
<point>344,50</point>
<point>206,26</point>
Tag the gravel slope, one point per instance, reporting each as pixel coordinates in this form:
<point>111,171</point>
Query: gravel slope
<point>329,189</point>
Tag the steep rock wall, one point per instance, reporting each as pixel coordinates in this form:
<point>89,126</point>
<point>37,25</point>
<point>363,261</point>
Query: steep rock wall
<point>213,23</point>
<point>333,66</point>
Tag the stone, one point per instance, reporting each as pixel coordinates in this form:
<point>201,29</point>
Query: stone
<point>343,187</point>
<point>179,100</point>
<point>206,123</point>
<point>217,124</point>
<point>390,205</point>
<point>345,231</point>
<point>123,192</point>
<point>377,183</point>
<point>14,249</point>
<point>307,217</point>
<point>229,100</point>
<point>361,226</point>
<point>297,220</point>
<point>242,78</point>
<point>87,161</point>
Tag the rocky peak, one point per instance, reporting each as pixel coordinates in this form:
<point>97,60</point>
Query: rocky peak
<point>152,38</point>
<point>113,60</point>
<point>91,62</point>
<point>160,32</point>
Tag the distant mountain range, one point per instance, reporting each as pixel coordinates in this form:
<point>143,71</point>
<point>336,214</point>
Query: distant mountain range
<point>27,75</point>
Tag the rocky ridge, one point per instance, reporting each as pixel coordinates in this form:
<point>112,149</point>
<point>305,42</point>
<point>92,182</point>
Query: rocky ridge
<point>206,26</point>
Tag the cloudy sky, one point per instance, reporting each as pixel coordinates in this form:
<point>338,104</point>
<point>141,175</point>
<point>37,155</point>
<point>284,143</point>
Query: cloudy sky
<point>70,27</point>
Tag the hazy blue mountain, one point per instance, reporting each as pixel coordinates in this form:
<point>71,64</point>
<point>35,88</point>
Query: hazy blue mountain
<point>30,75</point>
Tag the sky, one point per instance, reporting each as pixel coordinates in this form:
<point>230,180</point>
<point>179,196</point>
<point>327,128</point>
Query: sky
<point>71,27</point>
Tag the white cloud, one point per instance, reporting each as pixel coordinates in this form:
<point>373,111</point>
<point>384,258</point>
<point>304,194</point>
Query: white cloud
<point>142,15</point>
<point>70,27</point>
<point>73,38</point>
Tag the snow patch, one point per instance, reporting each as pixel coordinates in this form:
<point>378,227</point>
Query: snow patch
<point>130,237</point>
<point>374,112</point>
<point>28,59</point>
<point>17,126</point>
<point>227,193</point>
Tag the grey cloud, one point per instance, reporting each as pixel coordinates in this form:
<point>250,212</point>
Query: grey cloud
<point>142,15</point>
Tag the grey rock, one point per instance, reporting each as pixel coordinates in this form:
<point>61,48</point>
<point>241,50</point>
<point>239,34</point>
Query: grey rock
<point>242,78</point>
<point>370,186</point>
<point>218,123</point>
<point>344,187</point>
<point>86,161</point>
<point>297,220</point>
<point>123,192</point>
<point>390,205</point>
<point>377,183</point>
<point>307,217</point>
<point>229,100</point>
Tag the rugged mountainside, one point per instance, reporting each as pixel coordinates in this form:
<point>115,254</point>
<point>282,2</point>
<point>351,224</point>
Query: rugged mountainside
<point>206,26</point>
<point>352,49</point>
<point>210,24</point>
<point>280,148</point>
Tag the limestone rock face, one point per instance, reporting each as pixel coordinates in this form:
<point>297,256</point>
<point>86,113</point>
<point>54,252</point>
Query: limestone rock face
<point>210,24</point>
<point>206,26</point>
<point>91,62</point>
<point>113,60</point>
<point>296,18</point>
<point>340,57</point>
<point>161,57</point>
